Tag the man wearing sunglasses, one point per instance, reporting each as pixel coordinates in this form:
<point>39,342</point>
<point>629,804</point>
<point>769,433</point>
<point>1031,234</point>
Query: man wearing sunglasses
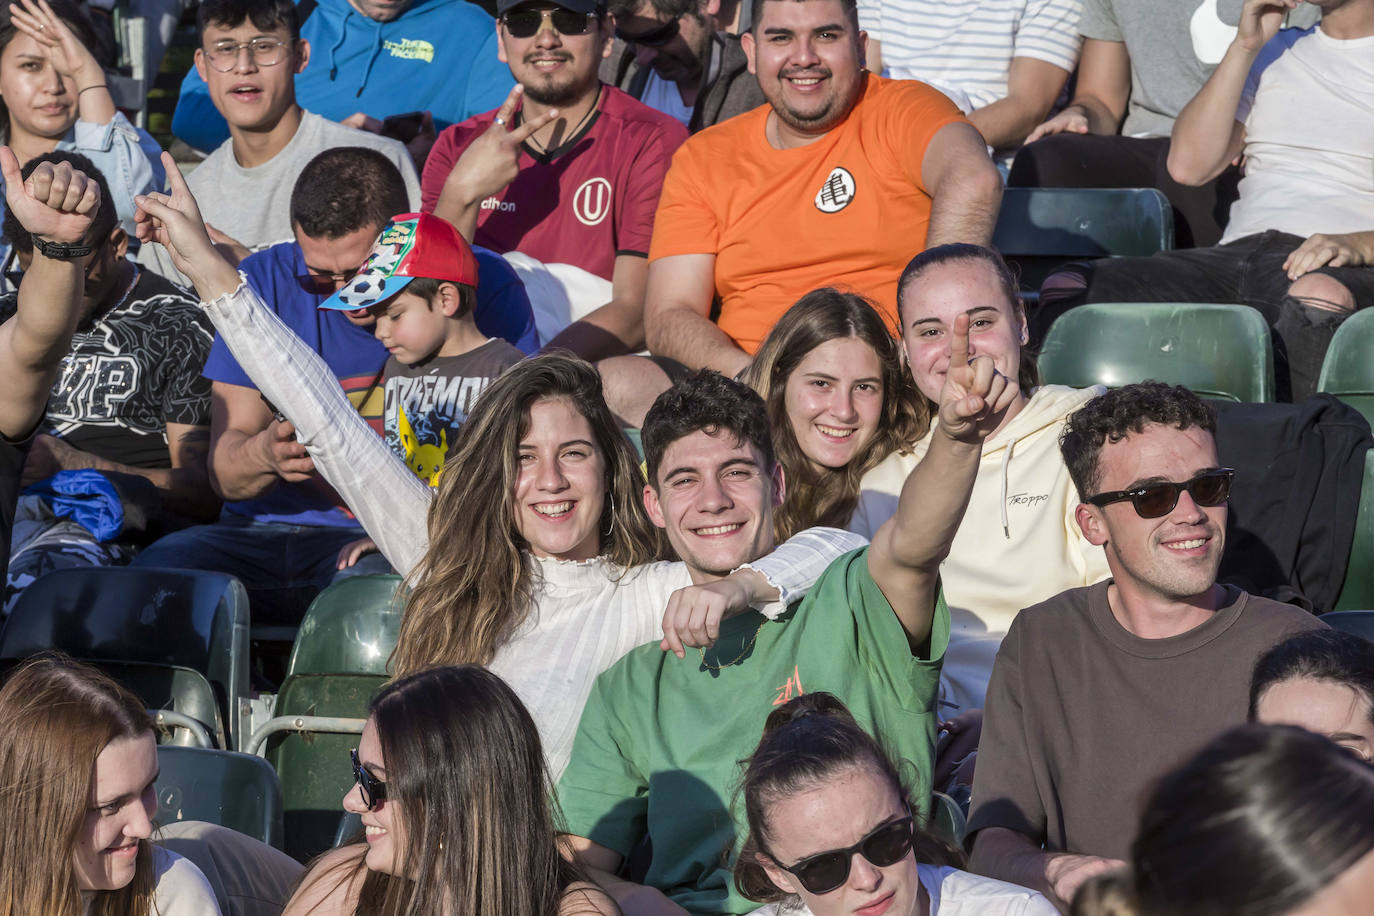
<point>1100,690</point>
<point>566,173</point>
<point>674,56</point>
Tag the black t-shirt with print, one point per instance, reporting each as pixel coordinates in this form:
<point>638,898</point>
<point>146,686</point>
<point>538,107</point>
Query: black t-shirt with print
<point>132,369</point>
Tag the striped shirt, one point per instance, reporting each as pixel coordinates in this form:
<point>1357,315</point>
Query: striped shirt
<point>964,48</point>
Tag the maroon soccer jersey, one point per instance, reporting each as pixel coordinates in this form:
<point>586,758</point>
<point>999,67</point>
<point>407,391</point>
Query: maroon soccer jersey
<point>583,203</point>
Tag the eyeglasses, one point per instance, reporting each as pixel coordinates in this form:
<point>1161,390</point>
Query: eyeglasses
<point>372,789</point>
<point>526,23</point>
<point>264,52</point>
<point>885,845</point>
<point>656,37</point>
<point>1210,488</point>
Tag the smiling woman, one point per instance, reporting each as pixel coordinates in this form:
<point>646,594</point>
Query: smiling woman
<point>77,767</point>
<point>838,404</point>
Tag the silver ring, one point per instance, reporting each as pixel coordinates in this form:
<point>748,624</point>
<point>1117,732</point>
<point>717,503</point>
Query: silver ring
<point>500,120</point>
<point>42,26</point>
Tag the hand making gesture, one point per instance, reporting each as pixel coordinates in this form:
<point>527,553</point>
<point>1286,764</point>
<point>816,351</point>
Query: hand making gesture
<point>56,203</point>
<point>174,221</point>
<point>1260,21</point>
<point>975,395</point>
<point>488,165</point>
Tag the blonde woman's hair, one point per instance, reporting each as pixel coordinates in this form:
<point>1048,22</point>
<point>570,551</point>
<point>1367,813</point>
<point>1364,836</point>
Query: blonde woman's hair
<point>475,584</point>
<point>828,496</point>
<point>56,716</point>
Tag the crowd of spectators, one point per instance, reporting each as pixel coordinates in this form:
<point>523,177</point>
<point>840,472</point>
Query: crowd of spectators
<point>659,347</point>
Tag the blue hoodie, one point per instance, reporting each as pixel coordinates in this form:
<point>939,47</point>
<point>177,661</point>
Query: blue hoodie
<point>438,55</point>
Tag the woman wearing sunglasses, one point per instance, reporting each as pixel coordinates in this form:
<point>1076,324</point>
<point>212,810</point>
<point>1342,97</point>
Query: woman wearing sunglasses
<point>457,808</point>
<point>78,763</point>
<point>831,830</point>
<point>1018,543</point>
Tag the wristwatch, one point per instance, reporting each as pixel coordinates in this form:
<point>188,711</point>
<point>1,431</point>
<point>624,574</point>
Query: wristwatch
<point>61,251</point>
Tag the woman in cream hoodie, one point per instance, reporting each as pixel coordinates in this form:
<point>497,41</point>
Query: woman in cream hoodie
<point>1018,543</point>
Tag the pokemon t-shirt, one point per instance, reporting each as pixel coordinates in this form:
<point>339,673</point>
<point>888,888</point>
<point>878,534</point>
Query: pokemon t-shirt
<point>428,402</point>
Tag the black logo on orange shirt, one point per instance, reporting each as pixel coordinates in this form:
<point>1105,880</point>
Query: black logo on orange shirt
<point>837,191</point>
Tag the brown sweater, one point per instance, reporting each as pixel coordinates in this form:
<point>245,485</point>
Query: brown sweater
<point>1083,716</point>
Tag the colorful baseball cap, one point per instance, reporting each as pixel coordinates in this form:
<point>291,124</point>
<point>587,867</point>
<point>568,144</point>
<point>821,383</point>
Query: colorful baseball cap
<point>412,245</point>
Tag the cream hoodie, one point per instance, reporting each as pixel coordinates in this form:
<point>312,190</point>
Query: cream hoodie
<point>1017,545</point>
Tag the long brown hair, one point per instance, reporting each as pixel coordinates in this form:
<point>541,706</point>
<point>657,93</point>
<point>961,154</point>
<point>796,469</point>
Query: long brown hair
<point>806,742</point>
<point>56,716</point>
<point>474,586</point>
<point>827,496</point>
<point>464,763</point>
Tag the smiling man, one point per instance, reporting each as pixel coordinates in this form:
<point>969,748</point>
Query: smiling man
<point>658,746</point>
<point>837,181</point>
<point>567,172</point>
<point>249,54</point>
<point>1099,691</point>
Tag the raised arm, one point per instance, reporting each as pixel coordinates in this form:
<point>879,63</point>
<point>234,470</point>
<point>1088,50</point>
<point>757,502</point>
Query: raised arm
<point>390,501</point>
<point>677,310</point>
<point>1104,88</point>
<point>964,186</point>
<point>1207,134</point>
<point>909,547</point>
<point>56,203</point>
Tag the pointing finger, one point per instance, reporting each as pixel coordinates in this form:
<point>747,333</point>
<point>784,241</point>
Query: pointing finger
<point>523,132</point>
<point>958,342</point>
<point>507,109</point>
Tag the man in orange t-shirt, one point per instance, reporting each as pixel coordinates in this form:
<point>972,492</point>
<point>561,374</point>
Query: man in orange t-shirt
<point>838,181</point>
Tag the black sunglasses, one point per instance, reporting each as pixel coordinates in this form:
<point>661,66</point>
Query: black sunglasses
<point>1210,488</point>
<point>525,23</point>
<point>885,845</point>
<point>373,789</point>
<point>656,37</point>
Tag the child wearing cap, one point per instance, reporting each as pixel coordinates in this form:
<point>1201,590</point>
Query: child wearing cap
<point>419,284</point>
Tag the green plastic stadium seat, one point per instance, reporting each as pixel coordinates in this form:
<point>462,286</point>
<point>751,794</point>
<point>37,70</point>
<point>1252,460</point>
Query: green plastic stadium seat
<point>1040,228</point>
<point>234,790</point>
<point>338,663</point>
<point>177,638</point>
<point>1218,351</point>
<point>1357,593</point>
<point>947,820</point>
<point>1348,370</point>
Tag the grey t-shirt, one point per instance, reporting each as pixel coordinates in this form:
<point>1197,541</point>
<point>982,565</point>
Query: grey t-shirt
<point>1083,716</point>
<point>428,402</point>
<point>253,206</point>
<point>1174,46</point>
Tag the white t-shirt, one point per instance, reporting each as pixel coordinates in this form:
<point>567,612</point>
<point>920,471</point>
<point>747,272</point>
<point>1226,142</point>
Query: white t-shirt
<point>1308,110</point>
<point>965,47</point>
<point>179,889</point>
<point>662,95</point>
<point>956,893</point>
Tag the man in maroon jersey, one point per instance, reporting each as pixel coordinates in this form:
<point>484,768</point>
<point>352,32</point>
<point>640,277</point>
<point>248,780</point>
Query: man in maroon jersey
<point>567,171</point>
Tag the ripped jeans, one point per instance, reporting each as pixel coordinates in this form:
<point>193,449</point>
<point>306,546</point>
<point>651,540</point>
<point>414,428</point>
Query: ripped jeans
<point>1248,271</point>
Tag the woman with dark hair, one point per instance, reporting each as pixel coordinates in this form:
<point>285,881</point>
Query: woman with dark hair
<point>1264,821</point>
<point>831,829</point>
<point>53,95</point>
<point>534,555</point>
<point>1320,680</point>
<point>1019,542</point>
<point>77,765</point>
<point>839,402</point>
<point>457,809</point>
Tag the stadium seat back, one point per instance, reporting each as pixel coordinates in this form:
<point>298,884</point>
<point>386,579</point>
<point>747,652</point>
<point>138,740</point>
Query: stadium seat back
<point>1218,351</point>
<point>313,766</point>
<point>1039,229</point>
<point>1348,369</point>
<point>234,790</point>
<point>350,628</point>
<point>141,620</point>
<point>1357,592</point>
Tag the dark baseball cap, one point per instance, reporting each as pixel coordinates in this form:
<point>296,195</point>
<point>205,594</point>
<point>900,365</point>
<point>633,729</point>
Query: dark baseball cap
<point>590,7</point>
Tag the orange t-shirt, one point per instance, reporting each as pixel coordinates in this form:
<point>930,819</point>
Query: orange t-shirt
<point>848,210</point>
